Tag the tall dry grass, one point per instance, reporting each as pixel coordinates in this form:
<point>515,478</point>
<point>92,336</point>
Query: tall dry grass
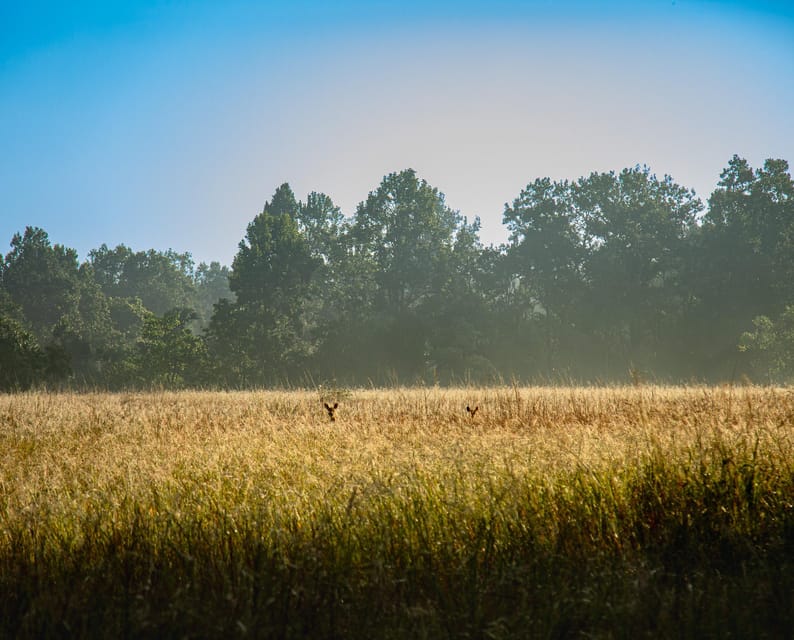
<point>553,513</point>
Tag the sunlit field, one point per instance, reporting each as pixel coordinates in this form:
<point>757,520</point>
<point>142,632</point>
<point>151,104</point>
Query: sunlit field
<point>552,513</point>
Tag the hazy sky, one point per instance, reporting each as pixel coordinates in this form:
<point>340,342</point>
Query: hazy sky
<point>169,124</point>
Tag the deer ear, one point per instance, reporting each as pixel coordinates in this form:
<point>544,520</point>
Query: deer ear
<point>325,404</point>
<point>336,405</point>
<point>477,408</point>
<point>468,409</point>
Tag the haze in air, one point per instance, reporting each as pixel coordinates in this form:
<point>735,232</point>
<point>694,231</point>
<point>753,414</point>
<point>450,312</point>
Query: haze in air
<point>245,195</point>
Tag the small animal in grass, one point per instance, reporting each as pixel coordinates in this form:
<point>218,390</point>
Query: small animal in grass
<point>331,410</point>
<point>472,412</point>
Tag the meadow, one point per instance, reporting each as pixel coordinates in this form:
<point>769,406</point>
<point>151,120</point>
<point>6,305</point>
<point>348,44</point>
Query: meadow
<point>641,511</point>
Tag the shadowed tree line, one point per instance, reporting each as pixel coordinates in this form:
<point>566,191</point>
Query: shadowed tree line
<point>611,277</point>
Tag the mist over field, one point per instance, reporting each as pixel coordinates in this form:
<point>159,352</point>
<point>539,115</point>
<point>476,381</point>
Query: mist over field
<point>614,277</point>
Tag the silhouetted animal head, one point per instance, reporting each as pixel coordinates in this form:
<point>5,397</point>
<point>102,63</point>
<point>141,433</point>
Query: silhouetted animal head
<point>471,411</point>
<point>331,410</point>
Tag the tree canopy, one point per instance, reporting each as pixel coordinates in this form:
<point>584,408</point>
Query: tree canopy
<point>609,277</point>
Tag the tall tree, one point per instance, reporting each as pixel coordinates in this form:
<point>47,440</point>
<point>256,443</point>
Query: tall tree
<point>742,266</point>
<point>636,231</point>
<point>337,286</point>
<point>406,229</point>
<point>59,299</point>
<point>546,257</point>
<point>458,318</point>
<point>546,246</point>
<point>401,237</point>
<point>162,280</point>
<point>43,279</point>
<point>321,224</point>
<point>270,277</point>
<point>273,264</point>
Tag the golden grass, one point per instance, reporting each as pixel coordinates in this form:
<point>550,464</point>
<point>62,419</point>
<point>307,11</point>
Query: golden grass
<point>59,450</point>
<point>398,467</point>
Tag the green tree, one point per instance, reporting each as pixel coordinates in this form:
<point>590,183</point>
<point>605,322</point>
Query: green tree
<point>545,257</point>
<point>636,231</point>
<point>60,300</point>
<point>743,265</point>
<point>119,362</point>
<point>232,349</point>
<point>546,246</point>
<point>42,279</point>
<point>274,264</point>
<point>337,287</point>
<point>169,354</point>
<point>22,362</point>
<point>770,346</point>
<point>406,229</point>
<point>271,276</point>
<point>459,317</point>
<point>212,285</point>
<point>401,238</point>
<point>321,224</point>
<point>162,280</point>
<point>86,332</point>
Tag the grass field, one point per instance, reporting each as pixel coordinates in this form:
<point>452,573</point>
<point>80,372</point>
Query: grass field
<point>554,513</point>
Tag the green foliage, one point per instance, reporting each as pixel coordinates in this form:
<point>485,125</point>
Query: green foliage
<point>415,264</point>
<point>771,346</point>
<point>405,228</point>
<point>603,277</point>
<point>742,264</point>
<point>169,354</point>
<point>274,263</point>
<point>459,314</point>
<point>636,230</point>
<point>546,249</point>
<point>162,280</point>
<point>21,359</point>
<point>600,264</point>
<point>321,224</point>
<point>262,336</point>
<point>42,279</point>
<point>61,301</point>
<point>212,285</point>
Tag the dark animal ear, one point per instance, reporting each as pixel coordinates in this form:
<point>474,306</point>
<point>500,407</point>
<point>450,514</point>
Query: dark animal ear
<point>326,406</point>
<point>477,408</point>
<point>468,409</point>
<point>336,405</point>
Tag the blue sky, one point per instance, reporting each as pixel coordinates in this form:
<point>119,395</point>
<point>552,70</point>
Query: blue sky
<point>168,124</point>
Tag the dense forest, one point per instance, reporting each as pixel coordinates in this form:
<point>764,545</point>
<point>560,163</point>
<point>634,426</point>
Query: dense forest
<point>614,277</point>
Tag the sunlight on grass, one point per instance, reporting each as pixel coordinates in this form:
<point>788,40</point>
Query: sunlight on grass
<point>554,512</point>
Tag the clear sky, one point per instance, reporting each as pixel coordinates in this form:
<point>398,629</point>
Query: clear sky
<point>169,124</point>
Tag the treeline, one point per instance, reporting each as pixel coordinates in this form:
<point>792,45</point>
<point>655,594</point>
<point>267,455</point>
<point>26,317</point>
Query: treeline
<point>612,277</point>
